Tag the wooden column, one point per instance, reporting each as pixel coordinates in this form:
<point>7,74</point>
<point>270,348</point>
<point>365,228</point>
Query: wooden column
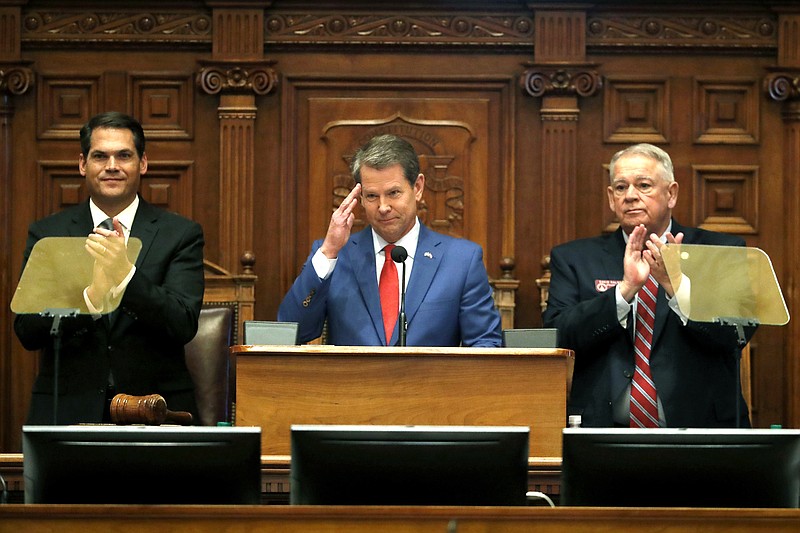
<point>16,78</point>
<point>783,85</point>
<point>238,73</point>
<point>559,76</point>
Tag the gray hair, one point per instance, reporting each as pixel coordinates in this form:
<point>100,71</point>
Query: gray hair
<point>649,151</point>
<point>384,151</point>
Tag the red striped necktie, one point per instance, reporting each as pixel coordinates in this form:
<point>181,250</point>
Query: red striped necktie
<point>644,402</point>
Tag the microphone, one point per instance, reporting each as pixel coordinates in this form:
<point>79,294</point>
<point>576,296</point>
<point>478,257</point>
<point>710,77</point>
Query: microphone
<point>399,255</point>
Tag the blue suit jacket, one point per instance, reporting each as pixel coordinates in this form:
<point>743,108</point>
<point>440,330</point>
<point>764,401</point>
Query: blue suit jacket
<point>448,298</point>
<point>142,342</point>
<point>693,366</point>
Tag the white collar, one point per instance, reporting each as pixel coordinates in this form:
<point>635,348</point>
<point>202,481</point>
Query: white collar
<point>125,216</point>
<point>408,241</point>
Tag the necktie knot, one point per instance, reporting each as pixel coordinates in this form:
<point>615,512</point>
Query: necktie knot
<point>107,224</point>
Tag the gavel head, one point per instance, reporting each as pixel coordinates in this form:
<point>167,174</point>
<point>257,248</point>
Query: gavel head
<point>150,410</point>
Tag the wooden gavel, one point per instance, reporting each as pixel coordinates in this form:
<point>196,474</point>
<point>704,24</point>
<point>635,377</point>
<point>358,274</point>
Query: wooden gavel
<point>150,410</point>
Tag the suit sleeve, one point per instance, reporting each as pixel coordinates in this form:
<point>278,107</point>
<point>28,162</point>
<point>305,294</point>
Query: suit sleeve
<point>585,319</point>
<point>170,305</point>
<point>306,301</point>
<point>479,318</point>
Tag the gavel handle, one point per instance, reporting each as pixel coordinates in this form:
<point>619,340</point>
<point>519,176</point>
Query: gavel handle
<point>183,418</point>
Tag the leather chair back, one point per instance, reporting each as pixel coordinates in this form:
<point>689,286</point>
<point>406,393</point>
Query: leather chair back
<point>207,360</point>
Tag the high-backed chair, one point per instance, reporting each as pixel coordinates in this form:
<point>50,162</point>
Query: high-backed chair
<point>228,301</point>
<point>207,359</point>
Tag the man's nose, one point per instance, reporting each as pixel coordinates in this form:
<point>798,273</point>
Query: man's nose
<point>111,164</point>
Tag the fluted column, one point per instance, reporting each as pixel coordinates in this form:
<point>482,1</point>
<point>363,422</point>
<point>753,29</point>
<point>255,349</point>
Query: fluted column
<point>237,73</point>
<point>559,76</point>
<point>16,79</point>
<point>782,84</point>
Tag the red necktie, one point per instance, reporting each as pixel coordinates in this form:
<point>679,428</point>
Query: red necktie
<point>390,292</point>
<point>644,403</point>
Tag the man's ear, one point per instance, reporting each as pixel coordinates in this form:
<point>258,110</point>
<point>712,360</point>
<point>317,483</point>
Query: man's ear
<point>419,187</point>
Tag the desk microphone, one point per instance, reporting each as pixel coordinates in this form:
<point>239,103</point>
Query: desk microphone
<point>399,255</point>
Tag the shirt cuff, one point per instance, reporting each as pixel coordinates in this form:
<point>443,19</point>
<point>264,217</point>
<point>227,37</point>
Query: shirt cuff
<point>322,265</point>
<point>623,307</point>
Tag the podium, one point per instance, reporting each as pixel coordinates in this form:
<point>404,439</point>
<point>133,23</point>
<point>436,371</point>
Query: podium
<point>277,386</point>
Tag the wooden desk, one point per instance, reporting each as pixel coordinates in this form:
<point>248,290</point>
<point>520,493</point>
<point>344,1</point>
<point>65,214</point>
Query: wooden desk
<point>288,519</point>
<point>277,386</point>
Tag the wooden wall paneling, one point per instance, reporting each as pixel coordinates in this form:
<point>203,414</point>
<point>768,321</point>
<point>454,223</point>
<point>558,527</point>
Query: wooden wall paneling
<point>16,80</point>
<point>559,75</point>
<point>66,102</point>
<point>791,151</point>
<point>238,73</point>
<point>164,103</point>
<point>455,129</point>
<point>726,198</point>
<point>783,85</point>
<point>727,110</point>
<point>636,109</point>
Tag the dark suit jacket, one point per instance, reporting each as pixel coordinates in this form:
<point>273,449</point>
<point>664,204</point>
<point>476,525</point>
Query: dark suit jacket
<point>142,342</point>
<point>448,299</point>
<point>693,366</point>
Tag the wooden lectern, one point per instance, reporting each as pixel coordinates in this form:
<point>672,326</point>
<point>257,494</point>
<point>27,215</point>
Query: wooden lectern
<point>277,386</point>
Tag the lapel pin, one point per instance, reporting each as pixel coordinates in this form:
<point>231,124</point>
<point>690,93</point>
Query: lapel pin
<point>428,255</point>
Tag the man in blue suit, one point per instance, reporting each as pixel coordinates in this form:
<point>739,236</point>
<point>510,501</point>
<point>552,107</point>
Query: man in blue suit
<point>448,300</point>
<point>593,293</point>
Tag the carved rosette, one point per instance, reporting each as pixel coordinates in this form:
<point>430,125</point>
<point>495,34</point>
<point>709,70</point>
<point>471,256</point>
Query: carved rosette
<point>783,85</point>
<point>15,79</point>
<point>561,80</point>
<point>259,78</point>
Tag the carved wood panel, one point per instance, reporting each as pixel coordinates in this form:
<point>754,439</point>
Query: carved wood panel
<point>726,198</point>
<point>726,111</point>
<point>66,102</point>
<point>457,139</point>
<point>164,104</point>
<point>636,109</point>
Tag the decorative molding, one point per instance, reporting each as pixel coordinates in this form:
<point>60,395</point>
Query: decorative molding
<point>166,184</point>
<point>636,110</point>
<point>505,28</point>
<point>16,79</point>
<point>726,198</point>
<point>726,111</point>
<point>164,103</point>
<point>561,80</point>
<point>237,77</point>
<point>118,25</point>
<point>560,36</point>
<point>406,29</point>
<point>783,84</point>
<point>66,102</point>
<point>741,31</point>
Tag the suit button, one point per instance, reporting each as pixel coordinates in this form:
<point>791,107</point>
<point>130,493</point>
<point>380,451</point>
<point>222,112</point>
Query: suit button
<point>628,374</point>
